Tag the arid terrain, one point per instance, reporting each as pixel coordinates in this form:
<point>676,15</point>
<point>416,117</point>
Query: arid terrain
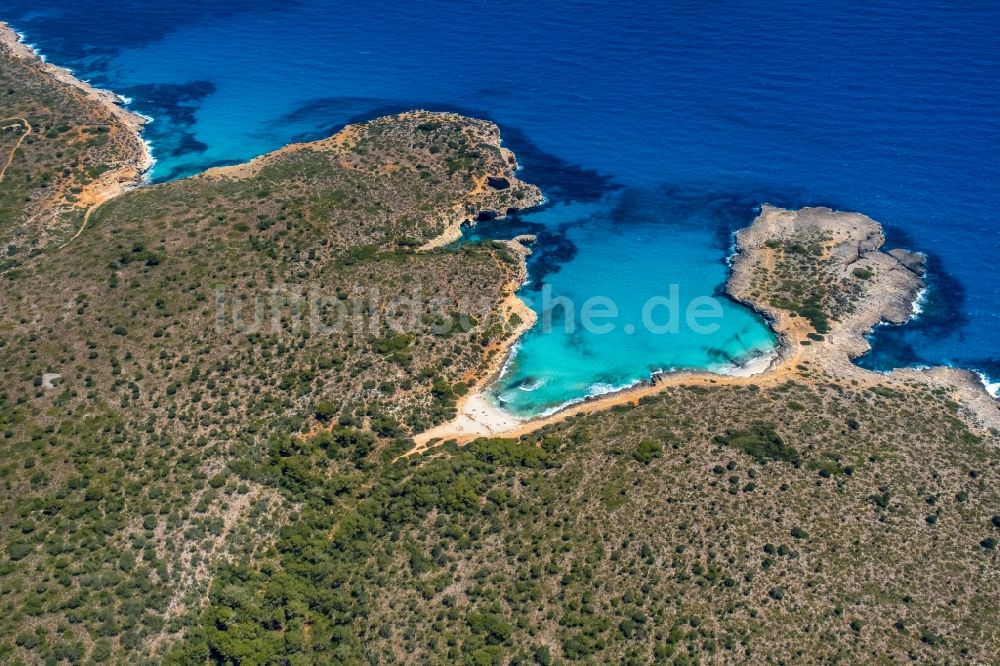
<point>228,408</point>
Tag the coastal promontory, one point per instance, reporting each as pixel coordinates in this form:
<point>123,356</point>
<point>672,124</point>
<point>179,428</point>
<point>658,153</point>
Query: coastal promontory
<point>241,423</point>
<point>823,281</point>
<point>65,147</point>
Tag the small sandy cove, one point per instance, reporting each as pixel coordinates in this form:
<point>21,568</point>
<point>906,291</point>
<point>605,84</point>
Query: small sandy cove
<point>479,416</point>
<point>888,297</point>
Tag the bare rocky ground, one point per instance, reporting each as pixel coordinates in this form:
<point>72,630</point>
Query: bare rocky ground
<point>183,492</point>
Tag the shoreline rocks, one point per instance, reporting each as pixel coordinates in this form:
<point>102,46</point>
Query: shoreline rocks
<point>867,286</point>
<point>887,283</point>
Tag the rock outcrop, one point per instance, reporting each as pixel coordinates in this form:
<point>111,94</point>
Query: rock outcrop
<point>863,285</point>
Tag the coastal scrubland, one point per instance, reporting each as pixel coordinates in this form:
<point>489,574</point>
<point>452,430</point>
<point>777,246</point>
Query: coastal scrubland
<point>825,269</point>
<point>63,147</point>
<point>198,318</point>
<point>808,521</point>
<point>206,395</point>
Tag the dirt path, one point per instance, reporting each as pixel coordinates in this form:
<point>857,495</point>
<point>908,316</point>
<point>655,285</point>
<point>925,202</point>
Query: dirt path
<point>104,188</point>
<point>83,225</point>
<point>788,365</point>
<point>10,158</point>
<point>133,158</point>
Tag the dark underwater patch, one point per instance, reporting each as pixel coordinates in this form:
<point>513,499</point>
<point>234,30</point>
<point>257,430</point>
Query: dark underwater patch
<point>105,27</point>
<point>173,107</point>
<point>718,355</point>
<point>552,250</point>
<point>176,101</point>
<point>558,179</point>
<point>943,317</point>
<point>682,204</point>
<point>558,250</point>
<point>324,116</point>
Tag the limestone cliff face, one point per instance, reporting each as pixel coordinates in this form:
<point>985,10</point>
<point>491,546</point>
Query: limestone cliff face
<point>496,189</point>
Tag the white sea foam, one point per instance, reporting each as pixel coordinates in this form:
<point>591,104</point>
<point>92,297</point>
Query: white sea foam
<point>510,358</point>
<point>601,388</point>
<point>147,175</point>
<point>731,253</point>
<point>527,281</point>
<point>918,303</point>
<point>120,99</point>
<point>596,390</point>
<point>21,37</point>
<point>558,408</point>
<point>993,388</point>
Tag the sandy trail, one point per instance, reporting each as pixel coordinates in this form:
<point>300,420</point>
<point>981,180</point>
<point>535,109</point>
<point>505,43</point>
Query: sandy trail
<point>83,224</point>
<point>479,417</point>
<point>126,128</point>
<point>13,151</point>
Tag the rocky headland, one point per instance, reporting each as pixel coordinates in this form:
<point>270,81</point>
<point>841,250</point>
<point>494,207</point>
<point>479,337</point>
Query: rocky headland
<point>188,483</point>
<point>856,285</point>
<point>78,147</point>
<point>495,191</point>
<point>823,281</point>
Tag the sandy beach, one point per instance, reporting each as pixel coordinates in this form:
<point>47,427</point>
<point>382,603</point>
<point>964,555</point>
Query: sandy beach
<point>478,416</point>
<point>891,299</point>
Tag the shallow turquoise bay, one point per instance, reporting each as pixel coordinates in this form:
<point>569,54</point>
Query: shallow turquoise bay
<point>657,115</point>
<point>625,255</point>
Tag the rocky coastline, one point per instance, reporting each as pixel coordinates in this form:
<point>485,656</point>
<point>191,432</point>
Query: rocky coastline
<point>102,173</point>
<point>493,196</point>
<point>854,244</point>
<point>12,41</point>
<point>871,286</point>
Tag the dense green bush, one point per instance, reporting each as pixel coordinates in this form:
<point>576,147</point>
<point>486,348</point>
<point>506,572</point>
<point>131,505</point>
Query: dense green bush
<point>762,442</point>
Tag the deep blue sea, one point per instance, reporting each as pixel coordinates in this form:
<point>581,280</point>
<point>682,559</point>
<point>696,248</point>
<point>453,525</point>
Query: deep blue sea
<point>654,129</point>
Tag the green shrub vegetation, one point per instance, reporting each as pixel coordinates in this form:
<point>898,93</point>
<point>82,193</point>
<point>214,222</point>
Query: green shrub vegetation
<point>187,482</point>
<point>559,546</point>
<point>57,142</point>
<point>762,442</point>
<point>805,283</point>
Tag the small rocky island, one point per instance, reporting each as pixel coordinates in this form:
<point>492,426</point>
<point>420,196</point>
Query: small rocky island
<point>823,280</point>
<point>821,276</point>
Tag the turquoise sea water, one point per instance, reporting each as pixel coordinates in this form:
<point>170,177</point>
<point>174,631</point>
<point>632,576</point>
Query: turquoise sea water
<point>655,129</point>
<point>625,255</point>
